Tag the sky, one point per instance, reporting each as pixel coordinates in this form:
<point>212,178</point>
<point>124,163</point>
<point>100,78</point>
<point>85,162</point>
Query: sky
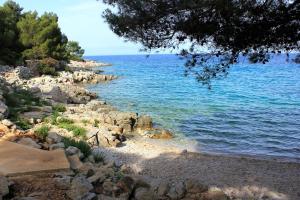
<point>81,21</point>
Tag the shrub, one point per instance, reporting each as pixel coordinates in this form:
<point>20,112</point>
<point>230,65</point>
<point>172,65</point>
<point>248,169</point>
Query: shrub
<point>96,123</point>
<point>42,131</point>
<point>59,108</point>
<point>76,130</point>
<point>99,157</point>
<point>85,121</point>
<point>48,66</point>
<point>83,146</point>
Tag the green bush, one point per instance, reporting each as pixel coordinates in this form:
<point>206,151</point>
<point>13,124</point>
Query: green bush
<point>83,146</point>
<point>76,130</point>
<point>42,131</point>
<point>59,108</point>
<point>48,66</point>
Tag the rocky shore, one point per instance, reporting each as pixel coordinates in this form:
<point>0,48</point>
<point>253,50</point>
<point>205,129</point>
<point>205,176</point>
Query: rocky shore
<point>114,154</point>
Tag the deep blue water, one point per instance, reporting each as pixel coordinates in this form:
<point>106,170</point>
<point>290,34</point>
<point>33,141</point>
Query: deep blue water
<point>254,111</point>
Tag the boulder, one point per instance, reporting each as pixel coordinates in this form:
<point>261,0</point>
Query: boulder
<point>214,194</point>
<point>23,72</point>
<point>144,123</point>
<point>75,162</point>
<point>7,123</point>
<point>159,134</point>
<point>53,147</point>
<point>177,191</point>
<point>70,151</point>
<point>107,139</point>
<point>80,188</point>
<point>143,194</point>
<point>53,138</point>
<point>4,190</point>
<point>29,142</point>
<point>63,183</point>
<point>3,110</point>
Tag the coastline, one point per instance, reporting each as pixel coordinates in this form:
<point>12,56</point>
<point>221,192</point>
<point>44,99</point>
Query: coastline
<point>239,177</point>
<point>241,167</point>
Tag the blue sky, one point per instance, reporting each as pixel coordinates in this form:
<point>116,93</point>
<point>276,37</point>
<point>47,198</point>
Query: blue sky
<point>81,21</point>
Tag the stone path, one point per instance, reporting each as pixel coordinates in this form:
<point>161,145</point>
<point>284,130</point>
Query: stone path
<point>16,159</point>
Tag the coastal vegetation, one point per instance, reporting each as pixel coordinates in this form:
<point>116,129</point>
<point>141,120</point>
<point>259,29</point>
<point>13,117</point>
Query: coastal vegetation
<point>217,32</point>
<point>30,36</point>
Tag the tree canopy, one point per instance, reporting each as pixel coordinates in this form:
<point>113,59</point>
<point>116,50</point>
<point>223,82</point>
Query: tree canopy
<point>74,50</point>
<point>28,36</point>
<point>226,28</point>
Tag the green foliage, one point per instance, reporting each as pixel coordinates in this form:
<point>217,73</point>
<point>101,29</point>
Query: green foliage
<point>42,36</point>
<point>76,130</point>
<point>21,101</point>
<point>85,121</point>
<point>10,48</point>
<point>212,34</point>
<point>42,131</point>
<point>59,108</point>
<point>26,35</point>
<point>75,51</point>
<point>83,146</point>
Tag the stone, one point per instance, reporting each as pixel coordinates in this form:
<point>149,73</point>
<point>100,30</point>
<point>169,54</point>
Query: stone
<point>4,190</point>
<point>144,123</point>
<point>63,183</point>
<point>23,72</point>
<point>143,194</point>
<point>126,185</point>
<point>75,162</point>
<point>53,137</point>
<point>195,187</point>
<point>19,159</point>
<point>57,146</point>
<point>108,187</point>
<point>214,194</point>
<point>29,142</point>
<point>176,191</point>
<point>80,188</point>
<point>163,189</point>
<point>106,139</point>
<point>90,196</point>
<point>159,134</point>
<point>7,123</point>
<point>74,150</point>
<point>3,110</point>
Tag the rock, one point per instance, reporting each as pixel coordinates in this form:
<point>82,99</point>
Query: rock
<point>29,142</point>
<point>75,162</point>
<point>57,146</point>
<point>106,139</point>
<point>90,196</point>
<point>143,194</point>
<point>163,189</point>
<point>63,183</point>
<point>4,190</point>
<point>144,123</point>
<point>57,94</point>
<point>3,110</point>
<point>159,134</point>
<point>74,151</point>
<point>80,188</point>
<point>23,72</point>
<point>53,138</point>
<point>7,123</point>
<point>214,194</point>
<point>125,185</point>
<point>195,187</point>
<point>108,187</point>
<point>99,176</point>
<point>95,104</point>
<point>177,191</point>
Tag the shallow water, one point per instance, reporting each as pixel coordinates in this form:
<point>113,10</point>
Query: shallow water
<point>254,111</point>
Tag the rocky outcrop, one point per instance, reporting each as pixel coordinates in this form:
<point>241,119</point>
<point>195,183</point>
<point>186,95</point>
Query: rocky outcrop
<point>87,64</point>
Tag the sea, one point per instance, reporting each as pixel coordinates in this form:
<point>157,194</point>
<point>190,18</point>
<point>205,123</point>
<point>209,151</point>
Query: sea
<point>254,110</point>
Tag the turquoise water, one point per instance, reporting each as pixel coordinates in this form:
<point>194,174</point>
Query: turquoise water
<point>254,111</point>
